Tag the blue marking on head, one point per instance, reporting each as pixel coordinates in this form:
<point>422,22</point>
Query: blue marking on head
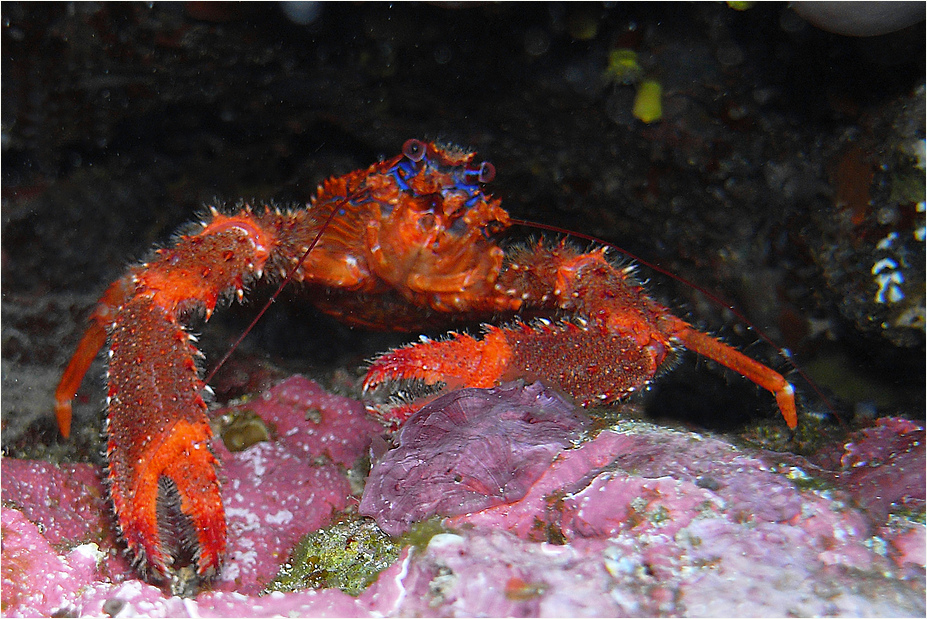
<point>467,181</point>
<point>403,170</point>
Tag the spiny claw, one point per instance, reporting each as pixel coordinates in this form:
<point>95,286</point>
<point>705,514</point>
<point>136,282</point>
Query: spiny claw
<point>170,509</point>
<point>171,515</point>
<point>162,471</point>
<point>460,361</point>
<point>584,358</point>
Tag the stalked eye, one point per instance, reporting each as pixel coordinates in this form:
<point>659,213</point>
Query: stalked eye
<point>487,172</point>
<point>414,149</point>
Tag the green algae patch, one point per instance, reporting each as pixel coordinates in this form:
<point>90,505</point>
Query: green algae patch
<point>242,428</point>
<point>348,555</point>
<point>421,533</point>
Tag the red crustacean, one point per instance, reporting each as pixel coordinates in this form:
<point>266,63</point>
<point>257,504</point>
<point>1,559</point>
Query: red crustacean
<point>410,242</point>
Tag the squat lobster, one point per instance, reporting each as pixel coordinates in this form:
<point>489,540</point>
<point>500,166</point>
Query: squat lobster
<point>410,242</point>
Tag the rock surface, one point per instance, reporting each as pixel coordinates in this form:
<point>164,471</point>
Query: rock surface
<point>640,520</point>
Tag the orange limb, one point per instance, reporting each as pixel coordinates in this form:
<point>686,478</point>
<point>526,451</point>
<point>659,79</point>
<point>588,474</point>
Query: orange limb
<point>599,287</point>
<point>461,361</point>
<point>614,349</point>
<point>580,357</point>
<point>162,472</point>
<point>733,359</point>
<point>591,286</point>
<point>90,344</point>
<point>161,469</point>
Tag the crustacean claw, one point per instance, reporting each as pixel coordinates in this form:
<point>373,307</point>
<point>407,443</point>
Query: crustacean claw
<point>162,471</point>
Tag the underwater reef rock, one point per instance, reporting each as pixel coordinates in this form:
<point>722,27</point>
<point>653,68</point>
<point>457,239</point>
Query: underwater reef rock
<point>277,491</point>
<point>639,520</point>
<point>884,467</point>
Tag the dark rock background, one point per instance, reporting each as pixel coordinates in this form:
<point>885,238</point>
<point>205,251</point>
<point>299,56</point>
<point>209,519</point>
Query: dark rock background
<point>785,158</point>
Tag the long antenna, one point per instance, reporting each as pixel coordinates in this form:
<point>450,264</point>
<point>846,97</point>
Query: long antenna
<point>273,297</point>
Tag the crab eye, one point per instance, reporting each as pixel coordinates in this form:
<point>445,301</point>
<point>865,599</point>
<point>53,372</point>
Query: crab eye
<point>487,172</point>
<point>414,149</point>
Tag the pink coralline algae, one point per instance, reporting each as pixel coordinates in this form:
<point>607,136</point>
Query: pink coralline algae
<point>35,577</point>
<point>637,520</point>
<point>884,466</point>
<point>274,492</point>
<point>469,450</point>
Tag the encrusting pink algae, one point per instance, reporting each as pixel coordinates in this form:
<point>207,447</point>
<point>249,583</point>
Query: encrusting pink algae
<point>634,520</point>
